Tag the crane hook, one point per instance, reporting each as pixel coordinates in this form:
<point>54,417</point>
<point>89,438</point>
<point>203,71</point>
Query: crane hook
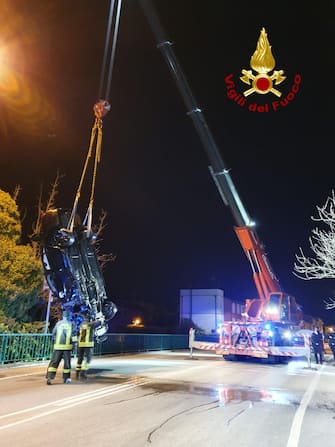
<point>101,108</point>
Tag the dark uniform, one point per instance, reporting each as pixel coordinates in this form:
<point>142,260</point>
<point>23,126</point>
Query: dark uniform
<point>331,341</point>
<point>317,344</point>
<point>63,336</point>
<point>85,347</point>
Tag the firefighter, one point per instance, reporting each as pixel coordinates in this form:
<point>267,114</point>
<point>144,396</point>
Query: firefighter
<point>85,346</point>
<point>317,344</point>
<point>63,336</point>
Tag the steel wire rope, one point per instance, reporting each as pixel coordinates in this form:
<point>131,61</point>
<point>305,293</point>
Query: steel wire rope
<point>101,108</point>
<point>113,49</point>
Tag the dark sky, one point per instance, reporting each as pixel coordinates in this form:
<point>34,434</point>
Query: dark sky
<point>166,221</point>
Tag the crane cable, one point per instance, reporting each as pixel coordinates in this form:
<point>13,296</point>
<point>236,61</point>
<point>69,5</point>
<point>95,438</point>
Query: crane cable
<point>101,108</point>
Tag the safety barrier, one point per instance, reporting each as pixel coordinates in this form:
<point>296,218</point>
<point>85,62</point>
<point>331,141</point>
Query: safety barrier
<point>24,347</point>
<point>15,348</point>
<point>123,343</point>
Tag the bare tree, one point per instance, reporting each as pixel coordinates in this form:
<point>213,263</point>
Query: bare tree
<point>322,244</point>
<point>43,208</point>
<point>16,192</point>
<point>103,258</point>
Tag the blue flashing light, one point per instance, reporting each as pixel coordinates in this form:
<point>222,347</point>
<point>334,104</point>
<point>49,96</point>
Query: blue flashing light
<point>287,335</point>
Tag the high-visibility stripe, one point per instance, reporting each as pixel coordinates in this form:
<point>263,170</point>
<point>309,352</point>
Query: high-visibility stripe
<point>63,336</point>
<point>88,344</point>
<point>85,339</point>
<point>62,347</point>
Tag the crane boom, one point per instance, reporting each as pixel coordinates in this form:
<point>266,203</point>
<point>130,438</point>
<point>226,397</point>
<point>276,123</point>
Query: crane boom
<point>267,285</point>
<point>218,169</point>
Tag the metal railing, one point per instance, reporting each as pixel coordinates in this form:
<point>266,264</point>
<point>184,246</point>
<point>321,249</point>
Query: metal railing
<point>123,343</point>
<point>16,348</point>
<point>24,347</point>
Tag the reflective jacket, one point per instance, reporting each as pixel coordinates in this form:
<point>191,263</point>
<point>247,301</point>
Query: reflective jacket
<point>86,334</point>
<point>62,335</point>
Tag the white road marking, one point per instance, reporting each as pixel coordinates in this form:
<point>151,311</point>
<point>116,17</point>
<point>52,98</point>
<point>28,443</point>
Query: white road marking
<point>71,402</point>
<point>20,375</point>
<point>294,436</point>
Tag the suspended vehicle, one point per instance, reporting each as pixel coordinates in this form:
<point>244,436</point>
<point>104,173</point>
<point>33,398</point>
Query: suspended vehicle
<point>269,326</point>
<point>68,244</point>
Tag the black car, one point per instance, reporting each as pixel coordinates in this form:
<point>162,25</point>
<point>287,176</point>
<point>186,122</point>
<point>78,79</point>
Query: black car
<point>72,270</point>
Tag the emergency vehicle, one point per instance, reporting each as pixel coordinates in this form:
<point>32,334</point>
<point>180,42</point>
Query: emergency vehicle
<point>270,324</point>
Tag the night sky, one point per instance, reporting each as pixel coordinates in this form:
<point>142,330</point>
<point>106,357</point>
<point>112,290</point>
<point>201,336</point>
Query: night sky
<point>166,222</point>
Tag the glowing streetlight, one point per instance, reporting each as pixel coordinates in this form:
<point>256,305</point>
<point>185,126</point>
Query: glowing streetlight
<point>136,322</point>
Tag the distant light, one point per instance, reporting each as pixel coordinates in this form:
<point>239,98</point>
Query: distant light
<point>4,63</point>
<point>136,322</point>
<point>3,54</point>
<point>267,333</point>
<point>287,334</point>
<point>272,310</point>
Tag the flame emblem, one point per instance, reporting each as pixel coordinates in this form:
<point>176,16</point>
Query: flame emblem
<point>262,61</point>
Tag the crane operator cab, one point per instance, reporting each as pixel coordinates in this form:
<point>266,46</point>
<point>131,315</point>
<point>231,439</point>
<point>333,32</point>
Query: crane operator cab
<point>283,307</point>
<point>280,307</point>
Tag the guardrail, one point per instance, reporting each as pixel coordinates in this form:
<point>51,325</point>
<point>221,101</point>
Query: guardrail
<point>15,348</point>
<point>24,347</point>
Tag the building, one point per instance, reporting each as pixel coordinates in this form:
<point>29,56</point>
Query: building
<point>207,309</point>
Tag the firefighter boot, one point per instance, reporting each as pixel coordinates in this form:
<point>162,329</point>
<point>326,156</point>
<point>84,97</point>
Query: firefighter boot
<point>83,375</point>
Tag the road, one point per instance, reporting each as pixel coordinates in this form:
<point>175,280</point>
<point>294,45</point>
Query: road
<point>167,399</point>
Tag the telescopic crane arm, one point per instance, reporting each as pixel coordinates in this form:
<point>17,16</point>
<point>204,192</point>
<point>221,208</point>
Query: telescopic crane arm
<point>218,168</point>
<point>264,277</point>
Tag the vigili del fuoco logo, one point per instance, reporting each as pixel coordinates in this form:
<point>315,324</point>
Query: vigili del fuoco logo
<point>262,79</point>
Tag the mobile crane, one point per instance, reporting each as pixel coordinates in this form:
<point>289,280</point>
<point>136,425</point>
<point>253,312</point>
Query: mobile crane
<point>267,327</point>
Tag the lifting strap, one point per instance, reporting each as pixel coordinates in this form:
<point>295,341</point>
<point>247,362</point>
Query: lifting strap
<point>101,108</point>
